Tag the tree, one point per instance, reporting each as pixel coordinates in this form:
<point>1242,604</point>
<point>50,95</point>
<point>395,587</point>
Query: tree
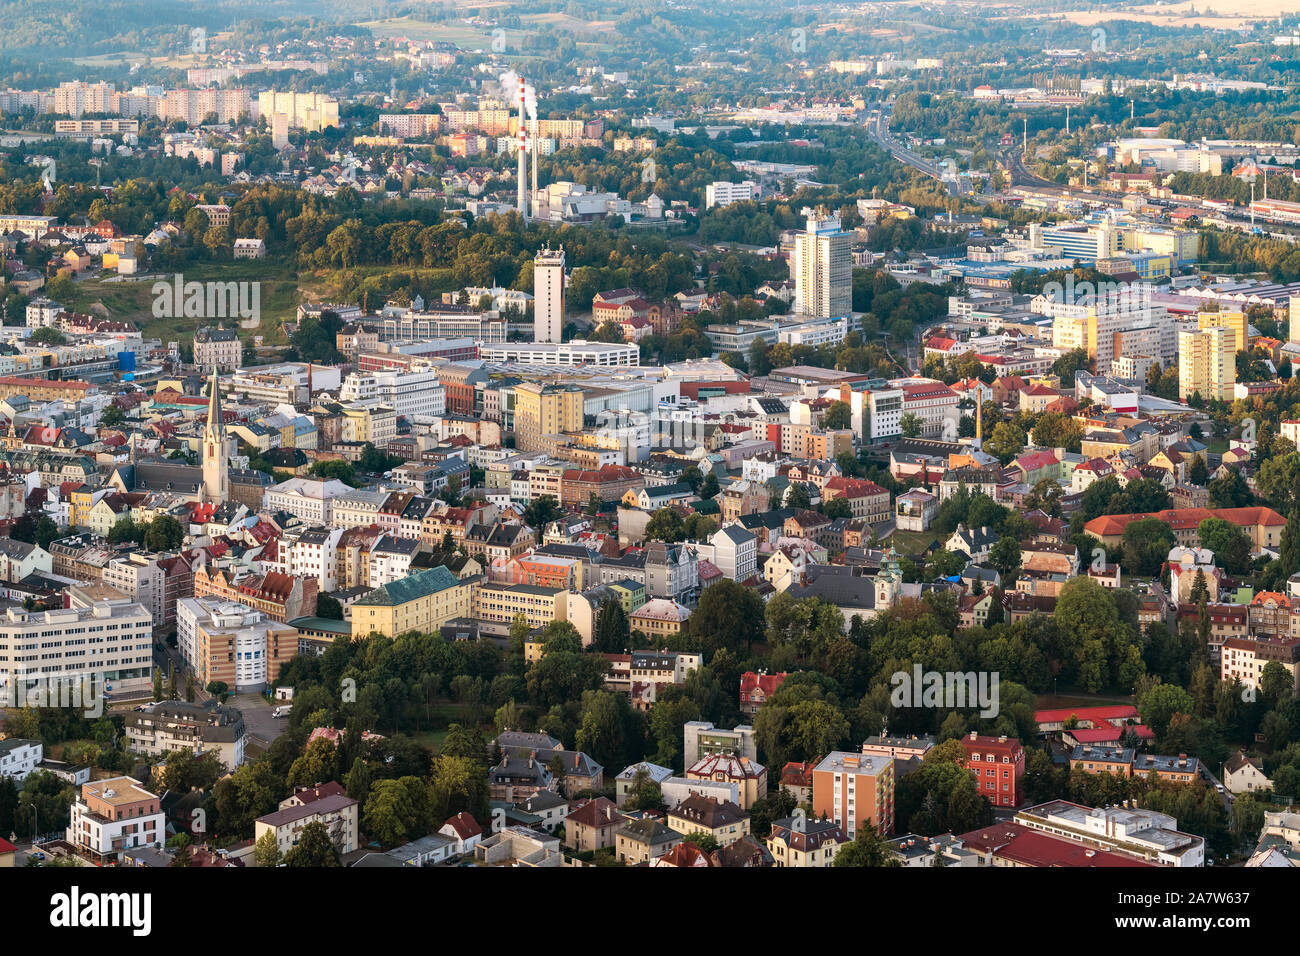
<point>839,415</point>
<point>218,689</point>
<point>728,615</point>
<point>125,530</point>
<point>314,848</point>
<point>1145,546</point>
<point>266,852</point>
<point>665,525</point>
<point>164,533</point>
<point>797,497</point>
<point>1231,490</point>
<point>1229,543</point>
<point>112,417</point>
<point>911,425</point>
<point>868,848</point>
<point>1159,705</point>
<point>338,469</point>
<point>541,511</point>
<point>389,812</point>
<point>612,628</point>
<point>1004,557</point>
<point>328,607</point>
<point>605,729</point>
<point>1007,441</point>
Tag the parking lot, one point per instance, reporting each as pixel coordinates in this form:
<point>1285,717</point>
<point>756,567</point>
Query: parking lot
<point>258,721</point>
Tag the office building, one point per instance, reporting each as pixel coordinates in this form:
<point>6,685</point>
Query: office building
<point>822,268</point>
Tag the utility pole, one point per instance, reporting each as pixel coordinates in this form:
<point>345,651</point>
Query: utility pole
<point>1026,134</point>
<point>1067,120</point>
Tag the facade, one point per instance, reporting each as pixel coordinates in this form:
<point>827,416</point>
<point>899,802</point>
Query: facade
<point>328,805</point>
<point>217,349</point>
<point>1207,364</point>
<point>543,410</point>
<point>803,842</point>
<point>548,291</point>
<point>822,267</point>
<point>998,763</point>
<point>749,776</point>
<point>19,757</point>
<point>54,645</point>
<point>423,601</point>
<point>230,642</point>
<point>175,725</point>
<point>854,790</point>
<point>721,819</point>
<point>114,815</point>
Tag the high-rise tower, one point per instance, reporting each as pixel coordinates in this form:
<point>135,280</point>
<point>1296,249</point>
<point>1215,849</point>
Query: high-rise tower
<point>548,295</point>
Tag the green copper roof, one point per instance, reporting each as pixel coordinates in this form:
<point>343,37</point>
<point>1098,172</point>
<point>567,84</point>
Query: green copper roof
<point>410,588</point>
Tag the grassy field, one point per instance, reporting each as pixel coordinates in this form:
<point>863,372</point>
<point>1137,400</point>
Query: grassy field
<point>912,543</point>
<point>132,298</point>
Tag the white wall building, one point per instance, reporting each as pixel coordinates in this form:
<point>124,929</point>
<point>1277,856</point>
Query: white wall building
<point>548,295</point>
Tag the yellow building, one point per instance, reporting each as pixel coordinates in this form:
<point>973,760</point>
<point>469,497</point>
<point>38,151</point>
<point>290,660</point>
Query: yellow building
<point>1234,321</point>
<point>1207,364</point>
<point>501,602</point>
<point>660,618</point>
<point>720,819</point>
<point>542,410</point>
<point>423,601</point>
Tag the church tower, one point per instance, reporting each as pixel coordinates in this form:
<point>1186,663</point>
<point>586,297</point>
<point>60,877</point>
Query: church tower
<point>216,461</point>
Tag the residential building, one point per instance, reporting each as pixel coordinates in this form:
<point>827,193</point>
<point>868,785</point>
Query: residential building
<point>998,763</point>
<point>821,267</point>
<point>231,643</point>
<point>422,601</point>
<point>327,804</point>
<point>800,841</point>
<point>723,820</point>
<point>855,790</point>
<point>174,725</point>
<point>113,815</point>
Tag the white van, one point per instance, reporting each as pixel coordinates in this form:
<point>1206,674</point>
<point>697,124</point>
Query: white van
<point>281,711</point>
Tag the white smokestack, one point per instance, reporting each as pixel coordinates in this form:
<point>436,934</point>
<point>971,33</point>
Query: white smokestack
<point>531,102</point>
<point>521,198</point>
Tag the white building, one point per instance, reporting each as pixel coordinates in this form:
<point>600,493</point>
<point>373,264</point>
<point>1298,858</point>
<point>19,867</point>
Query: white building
<point>577,352</point>
<point>548,292</point>
<point>206,625</point>
<point>310,499</point>
<point>109,642</point>
<point>409,392</point>
<point>724,194</point>
<point>114,815</point>
<point>19,757</point>
<point>822,268</point>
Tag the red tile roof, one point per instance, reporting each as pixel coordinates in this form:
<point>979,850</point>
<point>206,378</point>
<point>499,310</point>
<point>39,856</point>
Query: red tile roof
<point>1185,519</point>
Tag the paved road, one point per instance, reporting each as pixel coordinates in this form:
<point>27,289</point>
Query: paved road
<point>878,130</point>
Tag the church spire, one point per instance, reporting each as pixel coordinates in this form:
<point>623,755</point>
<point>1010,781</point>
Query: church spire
<point>216,461</point>
<point>214,403</point>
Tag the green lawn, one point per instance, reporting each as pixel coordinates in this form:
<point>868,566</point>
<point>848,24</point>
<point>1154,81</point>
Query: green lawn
<point>132,299</point>
<point>912,543</point>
